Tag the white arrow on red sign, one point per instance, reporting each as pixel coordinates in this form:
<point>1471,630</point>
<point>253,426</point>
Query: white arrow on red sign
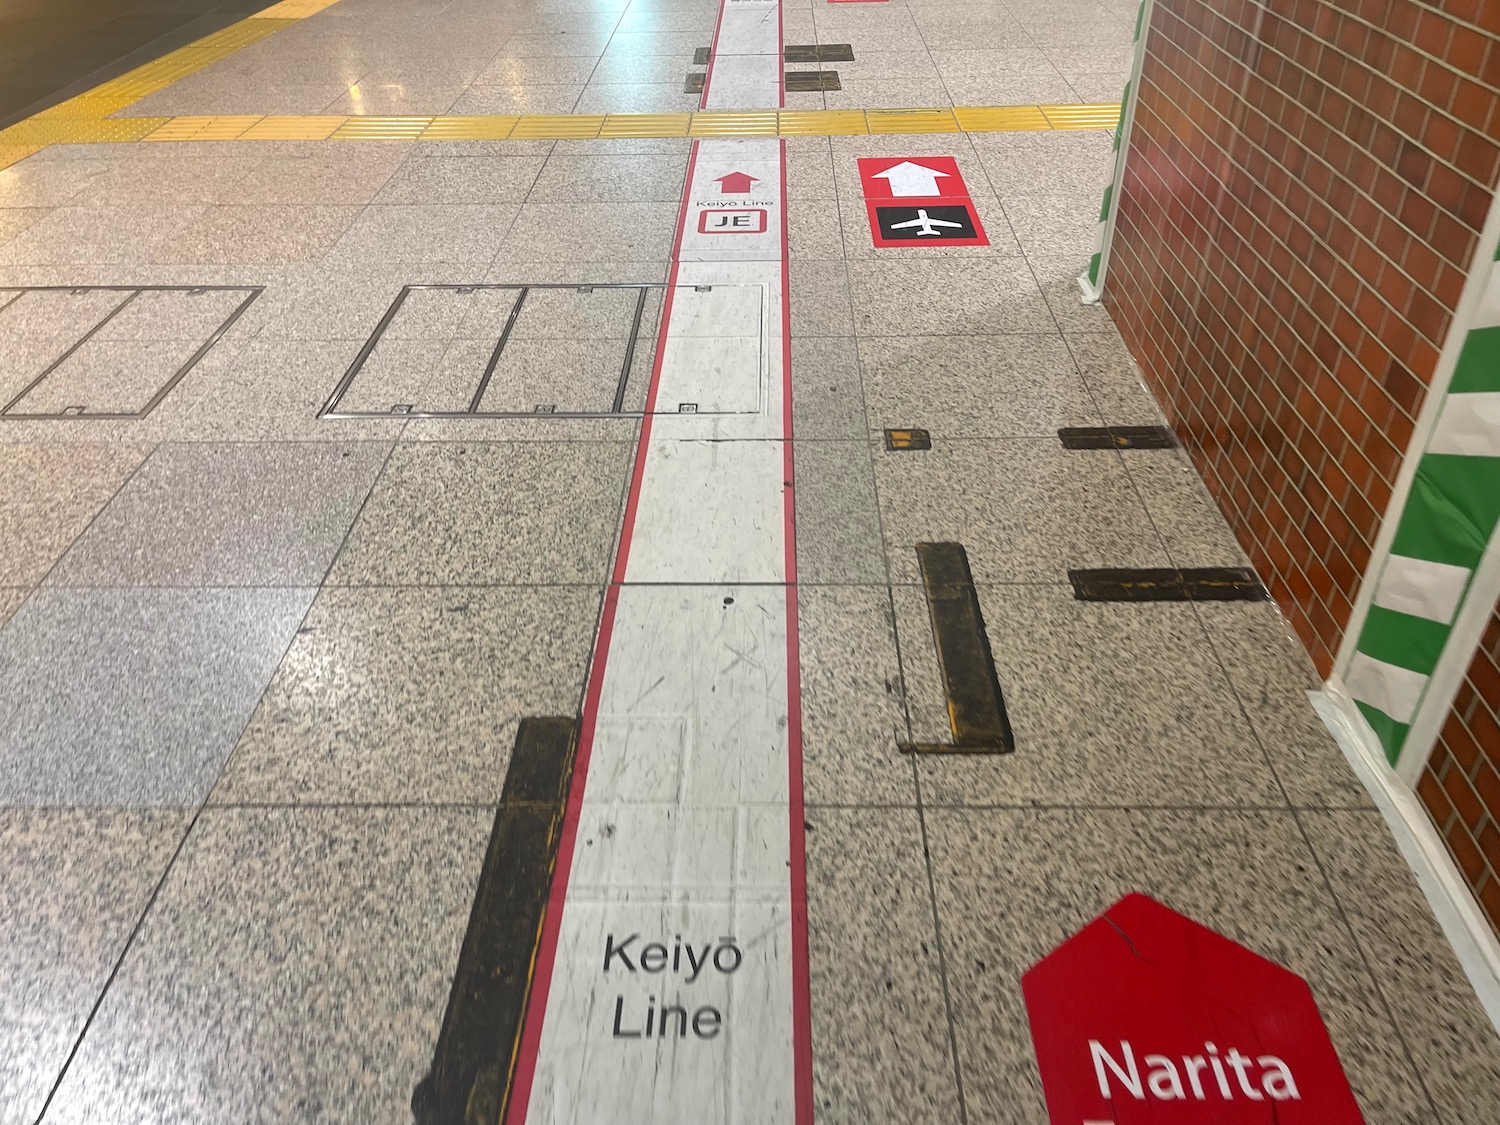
<point>907,178</point>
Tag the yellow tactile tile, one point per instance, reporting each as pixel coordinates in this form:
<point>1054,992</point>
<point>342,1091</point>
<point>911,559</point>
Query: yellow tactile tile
<point>12,154</point>
<point>822,122</point>
<point>216,128</point>
<point>1000,118</point>
<point>381,129</point>
<point>911,121</point>
<point>293,10</point>
<point>293,129</point>
<point>486,127</point>
<point>734,123</point>
<point>558,126</point>
<point>1099,116</point>
<point>79,131</point>
<point>241,34</point>
<point>646,125</point>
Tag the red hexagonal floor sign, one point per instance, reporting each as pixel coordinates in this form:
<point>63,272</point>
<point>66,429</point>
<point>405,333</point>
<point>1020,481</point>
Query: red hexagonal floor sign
<point>1146,1016</point>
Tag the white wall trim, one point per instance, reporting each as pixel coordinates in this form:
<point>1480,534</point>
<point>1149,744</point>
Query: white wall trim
<point>1453,665</point>
<point>1465,316</point>
<point>1453,904</point>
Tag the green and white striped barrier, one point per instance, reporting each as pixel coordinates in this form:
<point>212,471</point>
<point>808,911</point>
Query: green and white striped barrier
<point>1444,528</point>
<point>1092,281</point>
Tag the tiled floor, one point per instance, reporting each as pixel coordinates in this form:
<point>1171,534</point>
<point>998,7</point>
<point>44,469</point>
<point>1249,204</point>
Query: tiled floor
<point>261,672</point>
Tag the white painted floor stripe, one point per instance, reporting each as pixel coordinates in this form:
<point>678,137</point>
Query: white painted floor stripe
<point>671,984</point>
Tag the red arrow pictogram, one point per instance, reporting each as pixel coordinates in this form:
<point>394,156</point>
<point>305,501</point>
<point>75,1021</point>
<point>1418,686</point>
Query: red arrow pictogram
<point>736,183</point>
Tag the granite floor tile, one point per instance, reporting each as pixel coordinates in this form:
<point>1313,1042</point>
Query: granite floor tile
<point>348,175</point>
<point>1113,378</point>
<point>412,235</point>
<point>211,514</point>
<point>838,519</point>
<point>518,72</point>
<point>1180,506</point>
<point>1272,675</point>
<point>819,298</point>
<point>503,100</point>
<point>656,97</point>
<point>48,495</point>
<point>11,598</point>
<point>76,882</point>
<point>455,180</point>
<point>1249,875</point>
<point>610,179</point>
<point>809,170</point>
<point>1442,1023</point>
<point>1026,509</point>
<point>411,695</point>
<point>974,386</point>
<point>14,220</point>
<point>827,399</point>
<point>97,235</point>
<point>258,235</point>
<point>623,232</point>
<point>133,698</point>
<point>852,715</point>
<point>371,98</point>
<point>1047,165</point>
<point>1110,705</point>
<point>41,183</point>
<point>472,513</point>
<point>880,1033</point>
<point>947,297</point>
<point>295,967</point>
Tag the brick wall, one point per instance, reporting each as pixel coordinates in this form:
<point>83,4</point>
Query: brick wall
<point>1461,784</point>
<point>1300,205</point>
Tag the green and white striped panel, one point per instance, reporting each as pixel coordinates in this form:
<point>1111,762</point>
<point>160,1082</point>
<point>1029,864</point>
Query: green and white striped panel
<point>1092,277</point>
<point>1443,531</point>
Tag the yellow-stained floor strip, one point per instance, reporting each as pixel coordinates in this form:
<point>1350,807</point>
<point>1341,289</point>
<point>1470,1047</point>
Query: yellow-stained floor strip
<point>46,129</point>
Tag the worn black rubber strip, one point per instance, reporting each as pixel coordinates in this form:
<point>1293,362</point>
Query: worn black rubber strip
<point>694,83</point>
<point>976,705</point>
<point>912,439</point>
<point>1117,437</point>
<point>701,56</point>
<point>811,81</point>
<point>1168,584</point>
<point>474,1063</point>
<point>818,52</point>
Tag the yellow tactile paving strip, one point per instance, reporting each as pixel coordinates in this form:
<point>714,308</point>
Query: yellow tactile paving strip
<point>45,130</point>
<point>86,119</point>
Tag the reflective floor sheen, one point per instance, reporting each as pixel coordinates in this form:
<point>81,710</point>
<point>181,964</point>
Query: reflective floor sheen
<point>263,672</point>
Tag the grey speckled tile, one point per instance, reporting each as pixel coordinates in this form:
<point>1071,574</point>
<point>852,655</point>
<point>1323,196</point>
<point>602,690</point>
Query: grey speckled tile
<point>974,386</point>
<point>827,401</point>
<point>75,884</point>
<point>227,515</point>
<point>133,697</point>
<point>1441,1020</point>
<point>48,494</point>
<point>1110,704</point>
<point>1111,375</point>
<point>1272,675</point>
<point>527,512</point>
<point>1026,509</point>
<point>1248,875</point>
<point>838,523</point>
<point>819,294</point>
<point>880,1034</point>
<point>294,968</point>
<point>11,598</point>
<point>1184,513</point>
<point>851,698</point>
<point>411,694</point>
<point>947,297</point>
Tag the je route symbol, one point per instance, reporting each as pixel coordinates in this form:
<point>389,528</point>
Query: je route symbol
<point>1146,1016</point>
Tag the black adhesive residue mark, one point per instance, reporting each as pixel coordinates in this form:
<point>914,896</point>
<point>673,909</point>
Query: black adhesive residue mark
<point>1201,584</point>
<point>976,705</point>
<point>818,52</point>
<point>1117,437</point>
<point>811,81</point>
<point>474,1063</point>
<point>915,439</point>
